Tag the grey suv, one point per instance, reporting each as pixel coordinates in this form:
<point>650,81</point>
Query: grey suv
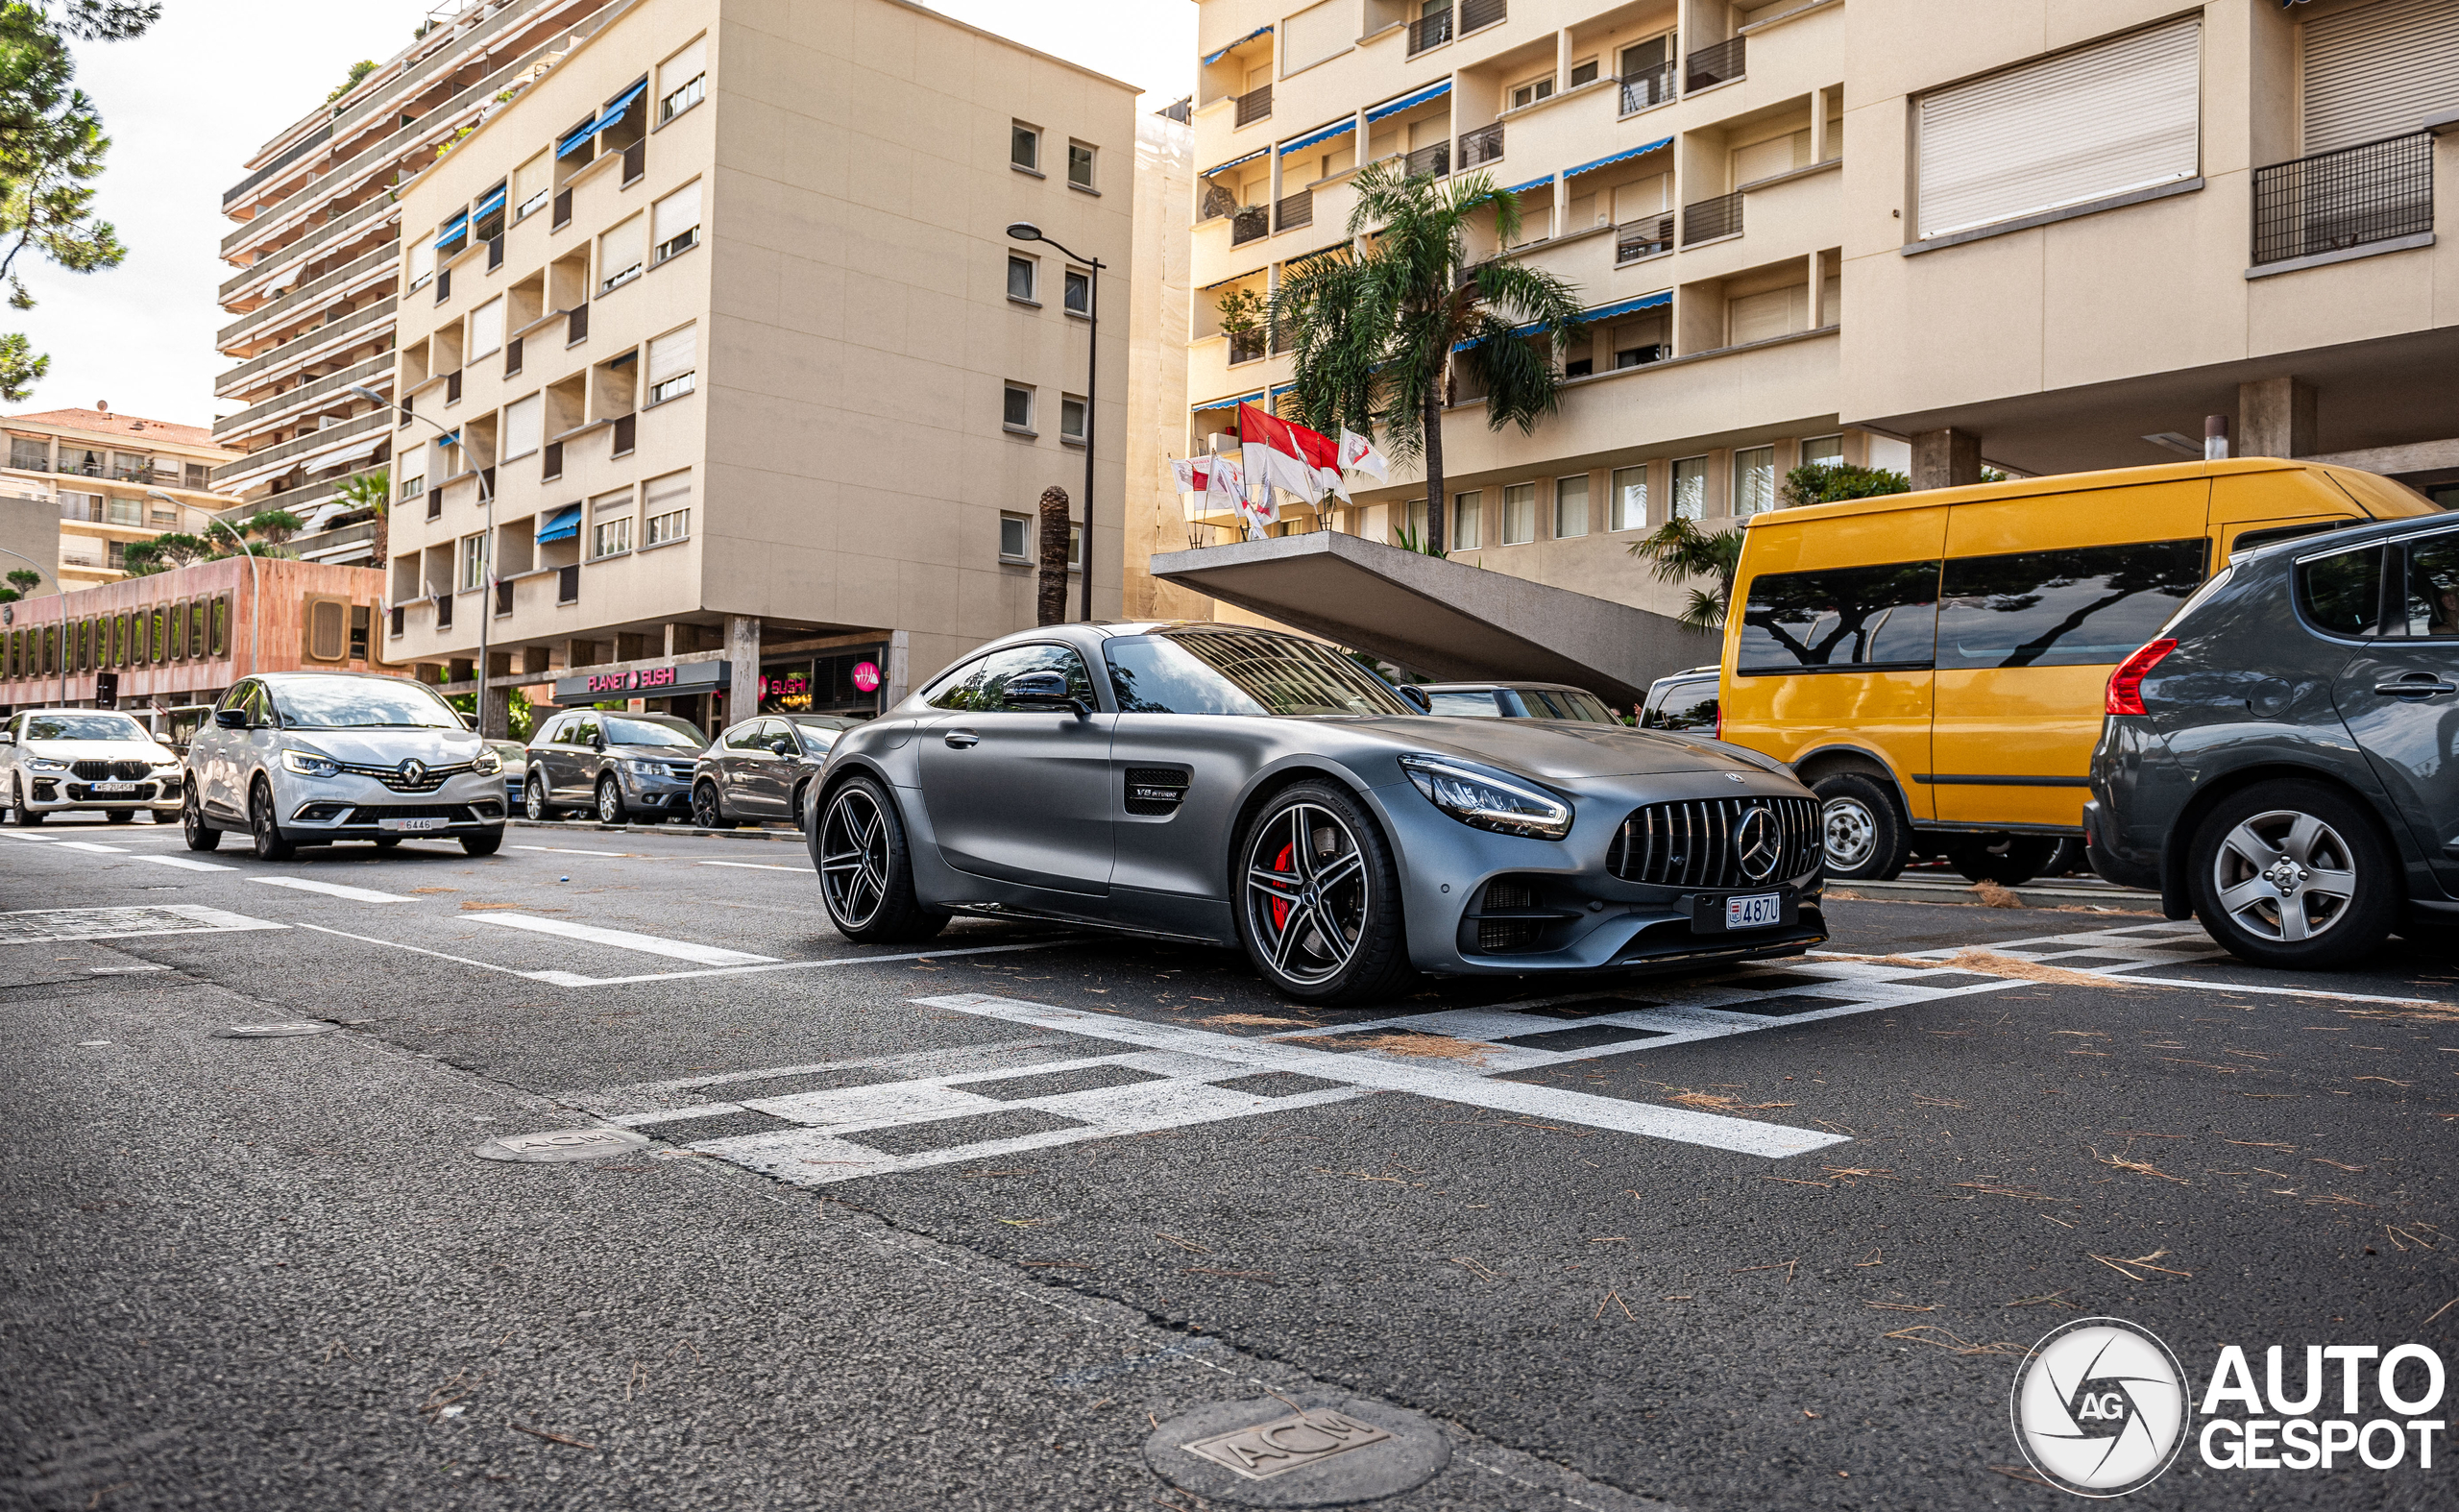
<point>2279,763</point>
<point>621,766</point>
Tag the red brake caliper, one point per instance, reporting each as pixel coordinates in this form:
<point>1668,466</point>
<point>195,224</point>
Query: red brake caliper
<point>1280,905</point>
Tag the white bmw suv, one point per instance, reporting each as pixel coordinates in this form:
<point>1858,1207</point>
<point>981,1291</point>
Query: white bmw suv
<point>54,760</point>
<point>309,758</point>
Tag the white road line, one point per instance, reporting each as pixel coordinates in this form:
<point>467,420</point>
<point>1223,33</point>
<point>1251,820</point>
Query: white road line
<point>754,866</point>
<point>625,939</point>
<point>87,844</point>
<point>573,850</point>
<point>2283,992</point>
<point>186,864</point>
<point>998,1059</point>
<point>370,940</point>
<point>22,835</point>
<point>575,979</point>
<point>330,889</point>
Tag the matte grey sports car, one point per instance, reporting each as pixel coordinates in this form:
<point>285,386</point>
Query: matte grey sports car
<point>1243,787</point>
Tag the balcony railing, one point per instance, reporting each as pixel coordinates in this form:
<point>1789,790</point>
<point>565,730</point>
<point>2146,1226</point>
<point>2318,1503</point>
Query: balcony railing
<point>1482,145</point>
<point>1648,86</point>
<point>1245,346</point>
<point>1430,162</point>
<point>1293,210</point>
<point>1255,104</point>
<point>1250,224</point>
<point>1710,66</point>
<point>1429,31</point>
<point>1474,14</point>
<point>568,584</point>
<point>2333,200</point>
<point>1643,238</point>
<point>1709,219</point>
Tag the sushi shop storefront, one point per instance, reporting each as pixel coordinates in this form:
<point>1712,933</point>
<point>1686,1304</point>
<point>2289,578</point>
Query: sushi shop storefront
<point>846,683</point>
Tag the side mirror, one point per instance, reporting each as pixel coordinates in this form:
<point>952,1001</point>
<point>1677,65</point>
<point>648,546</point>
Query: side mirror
<point>782,747</point>
<point>598,740</point>
<point>7,739</point>
<point>1417,696</point>
<point>1042,690</point>
<point>231,719</point>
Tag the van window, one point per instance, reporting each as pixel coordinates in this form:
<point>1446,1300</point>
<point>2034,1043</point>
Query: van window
<point>2341,594</point>
<point>2069,608</point>
<point>1841,617</point>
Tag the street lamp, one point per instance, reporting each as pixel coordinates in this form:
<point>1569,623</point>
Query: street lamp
<point>60,590</point>
<point>486,550</point>
<point>256,584</point>
<point>1027,231</point>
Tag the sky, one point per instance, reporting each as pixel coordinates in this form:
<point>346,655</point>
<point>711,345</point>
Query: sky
<point>186,104</point>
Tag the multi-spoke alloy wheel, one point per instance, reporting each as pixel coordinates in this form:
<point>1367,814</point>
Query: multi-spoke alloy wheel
<point>1318,902</point>
<point>865,870</point>
<point>2294,873</point>
<point>2284,876</point>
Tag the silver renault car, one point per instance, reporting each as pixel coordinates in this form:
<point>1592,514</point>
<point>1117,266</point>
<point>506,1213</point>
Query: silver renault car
<point>295,759</point>
<point>1252,789</point>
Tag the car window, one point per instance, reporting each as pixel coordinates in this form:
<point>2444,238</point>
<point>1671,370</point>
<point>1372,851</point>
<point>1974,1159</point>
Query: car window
<point>1477,705</point>
<point>81,728</point>
<point>1682,706</point>
<point>1845,618</point>
<point>1222,669</point>
<point>1534,704</point>
<point>743,736</point>
<point>259,707</point>
<point>1578,703</point>
<point>2341,594</point>
<point>955,690</point>
<point>652,731</point>
<point>2431,595</point>
<point>237,696</point>
<point>986,690</point>
<point>2078,607</point>
<point>583,730</point>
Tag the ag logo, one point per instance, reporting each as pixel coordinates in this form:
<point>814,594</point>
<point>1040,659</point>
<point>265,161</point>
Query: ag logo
<point>2100,1407</point>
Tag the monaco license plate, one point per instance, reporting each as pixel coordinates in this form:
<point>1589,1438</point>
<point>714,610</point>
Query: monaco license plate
<point>412,825</point>
<point>110,786</point>
<point>1756,911</point>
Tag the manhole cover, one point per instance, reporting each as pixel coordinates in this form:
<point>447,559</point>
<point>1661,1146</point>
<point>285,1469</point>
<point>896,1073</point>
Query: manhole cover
<point>562,1144</point>
<point>1334,1451</point>
<point>277,1031</point>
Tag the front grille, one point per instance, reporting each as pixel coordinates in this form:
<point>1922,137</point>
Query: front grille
<point>454,813</point>
<point>1691,843</point>
<point>111,771</point>
<point>1508,934</point>
<point>391,776</point>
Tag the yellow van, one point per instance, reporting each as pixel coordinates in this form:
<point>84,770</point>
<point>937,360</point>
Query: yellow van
<point>1934,664</point>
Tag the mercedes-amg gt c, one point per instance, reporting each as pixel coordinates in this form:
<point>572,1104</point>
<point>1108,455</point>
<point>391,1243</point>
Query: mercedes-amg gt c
<point>1247,787</point>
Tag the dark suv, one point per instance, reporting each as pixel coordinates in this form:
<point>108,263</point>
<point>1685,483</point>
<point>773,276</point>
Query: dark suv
<point>2281,761</point>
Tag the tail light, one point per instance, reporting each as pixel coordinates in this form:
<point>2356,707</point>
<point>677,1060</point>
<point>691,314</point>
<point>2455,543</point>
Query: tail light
<point>2125,684</point>
<point>1720,718</point>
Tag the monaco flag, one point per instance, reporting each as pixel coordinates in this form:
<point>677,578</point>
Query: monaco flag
<point>1359,455</point>
<point>1305,462</point>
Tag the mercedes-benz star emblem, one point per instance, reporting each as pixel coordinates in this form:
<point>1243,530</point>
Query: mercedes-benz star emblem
<point>413,771</point>
<point>1760,842</point>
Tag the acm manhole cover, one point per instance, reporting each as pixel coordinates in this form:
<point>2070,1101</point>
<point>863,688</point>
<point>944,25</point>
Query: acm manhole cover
<point>562,1144</point>
<point>281,1030</point>
<point>1334,1451</point>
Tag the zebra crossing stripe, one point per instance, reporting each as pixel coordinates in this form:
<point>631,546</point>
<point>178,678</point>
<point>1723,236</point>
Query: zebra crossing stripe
<point>625,939</point>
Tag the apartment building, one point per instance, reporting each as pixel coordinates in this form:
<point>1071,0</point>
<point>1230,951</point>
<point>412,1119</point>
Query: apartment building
<point>113,480</point>
<point>1917,233</point>
<point>719,374</point>
<point>317,259</point>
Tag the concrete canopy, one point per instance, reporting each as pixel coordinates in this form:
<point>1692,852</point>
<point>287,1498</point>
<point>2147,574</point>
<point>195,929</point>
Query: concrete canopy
<point>1443,618</point>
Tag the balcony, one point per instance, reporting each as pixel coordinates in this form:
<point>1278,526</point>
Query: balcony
<point>1482,145</point>
<point>1710,66</point>
<point>1254,106</point>
<point>1429,31</point>
<point>2341,200</point>
<point>1245,346</point>
<point>1709,219</point>
<point>1647,87</point>
<point>1476,13</point>
<point>1251,223</point>
<point>1429,162</point>
<point>349,330</point>
<point>1643,238</point>
<point>1294,211</point>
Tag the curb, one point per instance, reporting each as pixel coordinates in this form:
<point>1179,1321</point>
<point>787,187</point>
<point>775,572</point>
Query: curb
<point>585,827</point>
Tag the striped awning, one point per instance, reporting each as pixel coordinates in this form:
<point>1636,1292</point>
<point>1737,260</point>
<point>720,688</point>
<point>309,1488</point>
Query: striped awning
<point>1322,134</point>
<point>1255,398</point>
<point>454,230</point>
<point>1409,101</point>
<point>1625,155</point>
<point>487,207</point>
<point>1589,317</point>
<point>1233,162</point>
<point>561,525</point>
<point>1533,184</point>
<point>1212,58</point>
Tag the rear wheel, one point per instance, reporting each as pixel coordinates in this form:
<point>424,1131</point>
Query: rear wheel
<point>1319,899</point>
<point>263,828</point>
<point>533,801</point>
<point>706,811</point>
<point>2002,858</point>
<point>867,869</point>
<point>2293,874</point>
<point>1865,838</point>
<point>199,835</point>
<point>610,801</point>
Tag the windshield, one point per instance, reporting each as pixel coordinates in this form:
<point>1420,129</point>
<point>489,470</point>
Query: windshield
<point>360,703</point>
<point>1567,703</point>
<point>1224,670</point>
<point>652,731</point>
<point>85,727</point>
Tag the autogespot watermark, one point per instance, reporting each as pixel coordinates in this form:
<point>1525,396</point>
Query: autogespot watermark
<point>2103,1407</point>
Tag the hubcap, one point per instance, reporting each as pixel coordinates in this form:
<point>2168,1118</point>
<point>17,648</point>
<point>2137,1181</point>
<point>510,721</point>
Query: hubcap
<point>1306,893</point>
<point>2284,876</point>
<point>1851,832</point>
<point>853,858</point>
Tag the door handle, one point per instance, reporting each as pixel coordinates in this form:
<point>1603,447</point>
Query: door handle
<point>962,740</point>
<point>2413,687</point>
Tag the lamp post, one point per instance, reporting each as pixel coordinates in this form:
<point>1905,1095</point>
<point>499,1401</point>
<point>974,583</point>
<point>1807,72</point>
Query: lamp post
<point>1027,231</point>
<point>60,590</point>
<point>486,555</point>
<point>256,583</point>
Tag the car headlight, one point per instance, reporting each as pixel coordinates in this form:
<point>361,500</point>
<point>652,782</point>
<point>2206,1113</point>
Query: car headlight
<point>46,764</point>
<point>645,769</point>
<point>1487,799</point>
<point>308,764</point>
<point>486,763</point>
<point>166,768</point>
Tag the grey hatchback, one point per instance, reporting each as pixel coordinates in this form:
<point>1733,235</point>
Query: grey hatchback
<point>2278,762</point>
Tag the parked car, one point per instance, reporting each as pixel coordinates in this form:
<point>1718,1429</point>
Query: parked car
<point>55,759</point>
<point>2277,760</point>
<point>295,759</point>
<point>515,757</point>
<point>621,767</point>
<point>1252,789</point>
<point>1515,701</point>
<point>1687,700</point>
<point>757,769</point>
<point>1932,663</point>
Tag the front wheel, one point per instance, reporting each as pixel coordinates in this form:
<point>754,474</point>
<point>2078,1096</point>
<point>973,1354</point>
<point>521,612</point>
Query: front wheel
<point>26,817</point>
<point>1319,899</point>
<point>2293,873</point>
<point>388,843</point>
<point>2004,859</point>
<point>199,835</point>
<point>120,815</point>
<point>262,828</point>
<point>533,801</point>
<point>1864,836</point>
<point>867,869</point>
<point>610,801</point>
<point>482,844</point>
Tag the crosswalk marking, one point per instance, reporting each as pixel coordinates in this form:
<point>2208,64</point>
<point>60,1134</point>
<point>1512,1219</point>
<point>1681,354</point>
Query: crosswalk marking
<point>755,865</point>
<point>575,850</point>
<point>187,864</point>
<point>87,844</point>
<point>625,939</point>
<point>330,888</point>
<point>28,926</point>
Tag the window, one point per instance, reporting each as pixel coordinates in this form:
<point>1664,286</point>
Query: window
<point>1691,488</point>
<point>1226,670</point>
<point>1763,317</point>
<point>486,329</point>
<point>610,524</point>
<point>1630,499</point>
<point>667,507</point>
<point>1466,508</point>
<point>980,685</point>
<point>1020,279</point>
<point>1014,538</point>
<point>2431,600</point>
<point>1570,505</point>
<point>413,487</point>
<point>1016,411</point>
<point>1754,479</point>
<point>2084,607</point>
<point>124,512</point>
<point>674,363</point>
<point>1024,147</point>
<point>29,455</point>
<point>533,182</point>
<point>1071,418</point>
<point>683,81</point>
<point>1079,165</point>
<point>421,264</point>
<point>1535,90</point>
<point>2097,121</point>
<point>1823,452</point>
<point>1583,72</point>
<point>1518,514</point>
<point>1681,706</point>
<point>1847,618</point>
<point>2341,594</point>
<point>1075,548</point>
<point>524,422</point>
<point>675,221</point>
<point>474,562</point>
<point>328,630</point>
<point>1079,292</point>
<point>620,252</point>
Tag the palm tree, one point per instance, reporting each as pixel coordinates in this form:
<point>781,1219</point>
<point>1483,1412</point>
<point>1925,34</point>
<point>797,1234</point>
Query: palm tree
<point>1374,334</point>
<point>1681,549</point>
<point>371,490</point>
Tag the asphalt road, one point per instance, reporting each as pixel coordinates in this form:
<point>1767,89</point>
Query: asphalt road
<point>961,1228</point>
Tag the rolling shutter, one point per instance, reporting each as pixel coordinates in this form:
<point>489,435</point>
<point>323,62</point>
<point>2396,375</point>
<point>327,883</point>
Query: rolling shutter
<point>2378,71</point>
<point>1317,33</point>
<point>2102,120</point>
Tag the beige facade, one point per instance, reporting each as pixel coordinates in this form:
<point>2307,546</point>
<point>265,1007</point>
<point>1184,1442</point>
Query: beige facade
<point>112,481</point>
<point>1924,235</point>
<point>723,310</point>
<point>1157,395</point>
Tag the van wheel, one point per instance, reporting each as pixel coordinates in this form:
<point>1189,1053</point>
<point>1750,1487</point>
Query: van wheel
<point>1867,840</point>
<point>2293,873</point>
<point>2004,859</point>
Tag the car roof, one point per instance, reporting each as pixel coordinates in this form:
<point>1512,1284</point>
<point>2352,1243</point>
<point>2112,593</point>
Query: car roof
<point>2357,533</point>
<point>2043,484</point>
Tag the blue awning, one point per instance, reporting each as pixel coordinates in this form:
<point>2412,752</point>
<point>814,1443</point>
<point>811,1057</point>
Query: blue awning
<point>1406,101</point>
<point>1233,162</point>
<point>607,118</point>
<point>580,134</point>
<point>1210,58</point>
<point>1322,134</point>
<point>1625,155</point>
<point>1620,307</point>
<point>451,438</point>
<point>454,230</point>
<point>1255,398</point>
<point>561,525</point>
<point>1533,184</point>
<point>489,205</point>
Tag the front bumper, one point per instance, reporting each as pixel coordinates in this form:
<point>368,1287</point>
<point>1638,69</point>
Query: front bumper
<point>352,807</point>
<point>53,793</point>
<point>664,792</point>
